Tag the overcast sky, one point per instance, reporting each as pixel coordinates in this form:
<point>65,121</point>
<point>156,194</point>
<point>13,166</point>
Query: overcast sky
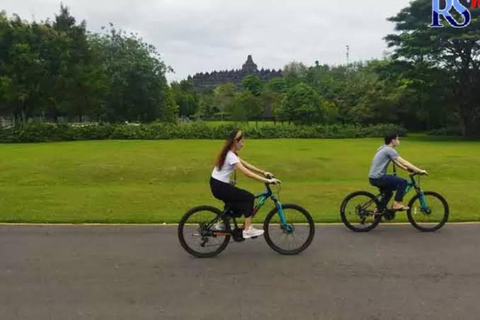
<point>205,35</point>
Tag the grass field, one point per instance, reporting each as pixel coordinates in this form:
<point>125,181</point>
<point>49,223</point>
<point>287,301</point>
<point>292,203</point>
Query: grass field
<point>157,181</point>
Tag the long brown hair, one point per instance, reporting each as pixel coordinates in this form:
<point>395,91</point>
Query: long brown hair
<point>234,136</point>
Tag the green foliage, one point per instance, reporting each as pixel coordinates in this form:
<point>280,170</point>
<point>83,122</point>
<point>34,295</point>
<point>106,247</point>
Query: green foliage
<point>44,132</point>
<point>455,51</point>
<point>185,98</point>
<point>223,97</point>
<point>246,107</point>
<point>56,69</point>
<point>253,84</point>
<point>301,105</point>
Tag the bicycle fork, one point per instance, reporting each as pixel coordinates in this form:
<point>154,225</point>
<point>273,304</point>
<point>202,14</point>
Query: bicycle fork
<point>283,221</point>
<point>423,202</point>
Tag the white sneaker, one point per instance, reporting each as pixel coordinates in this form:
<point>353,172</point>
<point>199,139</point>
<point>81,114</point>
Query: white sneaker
<point>252,232</point>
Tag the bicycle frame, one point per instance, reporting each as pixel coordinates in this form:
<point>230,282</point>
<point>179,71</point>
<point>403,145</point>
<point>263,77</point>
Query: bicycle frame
<point>262,198</point>
<point>413,185</point>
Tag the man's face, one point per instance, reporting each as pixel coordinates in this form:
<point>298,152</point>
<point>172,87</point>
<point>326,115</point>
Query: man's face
<point>396,141</point>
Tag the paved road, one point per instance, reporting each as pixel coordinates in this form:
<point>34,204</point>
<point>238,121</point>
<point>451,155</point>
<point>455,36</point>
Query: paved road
<point>141,272</point>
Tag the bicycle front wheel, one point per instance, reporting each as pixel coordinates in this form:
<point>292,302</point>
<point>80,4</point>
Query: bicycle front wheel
<point>295,236</point>
<point>430,215</point>
<point>195,234</point>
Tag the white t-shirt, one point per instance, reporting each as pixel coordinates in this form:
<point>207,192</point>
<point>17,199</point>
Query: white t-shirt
<point>228,167</point>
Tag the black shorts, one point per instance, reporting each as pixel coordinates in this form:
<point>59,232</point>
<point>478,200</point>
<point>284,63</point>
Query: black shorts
<point>240,200</point>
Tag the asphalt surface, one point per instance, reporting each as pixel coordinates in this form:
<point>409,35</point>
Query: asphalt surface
<point>141,272</point>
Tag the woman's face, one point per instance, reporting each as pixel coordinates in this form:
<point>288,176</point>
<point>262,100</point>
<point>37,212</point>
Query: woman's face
<point>239,143</point>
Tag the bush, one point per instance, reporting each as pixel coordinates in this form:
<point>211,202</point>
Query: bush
<point>43,132</point>
<point>449,131</point>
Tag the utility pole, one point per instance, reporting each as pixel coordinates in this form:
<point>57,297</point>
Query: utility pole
<point>348,55</point>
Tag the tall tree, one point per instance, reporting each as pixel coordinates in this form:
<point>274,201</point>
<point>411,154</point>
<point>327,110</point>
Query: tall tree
<point>253,84</point>
<point>223,97</point>
<point>246,107</point>
<point>185,98</point>
<point>301,105</point>
<point>137,83</point>
<point>456,50</point>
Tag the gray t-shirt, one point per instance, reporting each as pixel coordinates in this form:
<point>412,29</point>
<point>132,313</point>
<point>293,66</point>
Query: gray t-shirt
<point>381,160</point>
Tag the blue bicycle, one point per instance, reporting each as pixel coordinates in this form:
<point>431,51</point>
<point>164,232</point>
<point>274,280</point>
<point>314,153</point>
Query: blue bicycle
<point>205,231</point>
<point>362,211</point>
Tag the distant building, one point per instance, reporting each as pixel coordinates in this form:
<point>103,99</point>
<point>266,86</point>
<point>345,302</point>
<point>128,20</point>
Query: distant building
<point>211,80</point>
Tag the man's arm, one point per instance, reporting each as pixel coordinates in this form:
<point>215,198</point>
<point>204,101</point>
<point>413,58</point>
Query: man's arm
<point>405,165</point>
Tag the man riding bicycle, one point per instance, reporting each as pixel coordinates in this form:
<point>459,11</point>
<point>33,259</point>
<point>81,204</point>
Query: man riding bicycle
<point>378,176</point>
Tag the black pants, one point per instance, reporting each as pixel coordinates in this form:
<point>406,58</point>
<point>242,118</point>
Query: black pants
<point>240,200</point>
<point>387,185</point>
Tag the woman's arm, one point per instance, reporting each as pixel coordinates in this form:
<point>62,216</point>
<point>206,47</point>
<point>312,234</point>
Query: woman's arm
<point>252,167</point>
<point>252,175</point>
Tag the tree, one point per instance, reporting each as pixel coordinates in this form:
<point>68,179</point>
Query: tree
<point>457,51</point>
<point>77,82</point>
<point>22,67</point>
<point>138,87</point>
<point>206,109</point>
<point>422,93</point>
<point>185,98</point>
<point>52,69</point>
<point>223,97</point>
<point>253,84</point>
<point>246,107</point>
<point>277,85</point>
<point>271,101</point>
<point>301,105</point>
<point>294,73</point>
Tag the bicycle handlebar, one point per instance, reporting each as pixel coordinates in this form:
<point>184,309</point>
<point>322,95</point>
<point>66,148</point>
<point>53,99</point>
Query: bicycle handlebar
<point>269,176</point>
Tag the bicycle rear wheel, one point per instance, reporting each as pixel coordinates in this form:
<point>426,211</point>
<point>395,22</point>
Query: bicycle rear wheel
<point>195,234</point>
<point>357,211</point>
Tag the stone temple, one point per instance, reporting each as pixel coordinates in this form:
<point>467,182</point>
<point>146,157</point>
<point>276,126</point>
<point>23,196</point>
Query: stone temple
<point>207,80</point>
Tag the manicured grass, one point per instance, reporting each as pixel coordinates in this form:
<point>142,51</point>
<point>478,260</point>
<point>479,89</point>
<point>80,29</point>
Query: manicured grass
<point>157,181</point>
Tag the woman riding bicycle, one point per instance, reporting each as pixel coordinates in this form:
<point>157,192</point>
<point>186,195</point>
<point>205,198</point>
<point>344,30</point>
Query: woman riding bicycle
<point>241,201</point>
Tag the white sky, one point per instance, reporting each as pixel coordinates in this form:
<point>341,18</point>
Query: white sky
<point>205,35</point>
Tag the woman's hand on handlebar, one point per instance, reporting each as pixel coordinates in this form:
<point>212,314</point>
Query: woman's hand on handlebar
<point>274,181</point>
<point>268,175</point>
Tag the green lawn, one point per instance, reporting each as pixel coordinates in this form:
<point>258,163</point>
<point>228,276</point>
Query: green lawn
<point>157,181</point>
